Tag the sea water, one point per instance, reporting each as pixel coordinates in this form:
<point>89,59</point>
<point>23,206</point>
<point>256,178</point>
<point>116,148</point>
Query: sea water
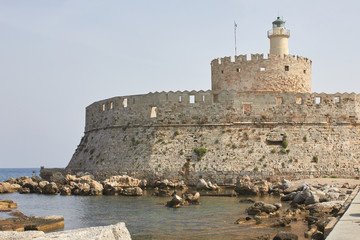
<point>146,217</point>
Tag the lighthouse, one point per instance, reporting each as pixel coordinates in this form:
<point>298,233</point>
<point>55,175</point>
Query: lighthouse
<point>278,36</point>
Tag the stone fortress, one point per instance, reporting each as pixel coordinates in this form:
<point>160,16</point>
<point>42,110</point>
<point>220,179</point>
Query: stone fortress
<point>260,119</point>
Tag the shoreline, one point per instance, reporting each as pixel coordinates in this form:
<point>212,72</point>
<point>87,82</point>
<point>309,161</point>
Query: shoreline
<point>166,187</point>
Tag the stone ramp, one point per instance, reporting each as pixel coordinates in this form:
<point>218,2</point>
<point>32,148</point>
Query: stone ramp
<point>348,227</point>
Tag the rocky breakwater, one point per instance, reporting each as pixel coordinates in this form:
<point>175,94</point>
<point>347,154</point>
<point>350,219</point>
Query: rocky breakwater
<point>81,184</point>
<point>314,206</point>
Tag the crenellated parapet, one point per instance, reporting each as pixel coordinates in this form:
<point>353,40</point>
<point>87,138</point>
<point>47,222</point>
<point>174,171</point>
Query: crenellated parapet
<point>277,73</point>
<point>222,107</point>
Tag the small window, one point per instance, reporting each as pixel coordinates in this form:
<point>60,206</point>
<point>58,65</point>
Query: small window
<point>180,98</point>
<point>304,71</point>
<point>238,69</point>
<point>192,98</point>
<point>262,69</point>
<point>215,98</point>
<point>153,112</point>
<point>317,100</point>
<point>222,71</point>
<point>298,100</point>
<point>247,108</point>
<point>336,99</point>
<point>125,102</point>
<point>103,107</point>
<point>279,100</point>
<point>111,105</point>
<point>286,68</point>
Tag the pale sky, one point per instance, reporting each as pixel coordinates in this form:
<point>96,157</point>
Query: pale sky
<point>57,57</point>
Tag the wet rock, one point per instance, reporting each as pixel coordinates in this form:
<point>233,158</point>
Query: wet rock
<point>32,223</point>
<point>244,186</point>
<point>26,182</point>
<point>175,202</point>
<point>7,205</point>
<point>259,207</point>
<point>65,191</point>
<point>317,236</point>
<point>82,189</point>
<point>265,236</point>
<point>135,191</point>
<point>192,198</point>
<point>247,200</point>
<point>50,188</point>
<point>301,196</point>
<point>6,187</point>
<point>24,190</point>
<point>285,236</point>
<point>282,222</point>
<point>112,188</point>
<point>162,192</point>
<point>289,197</point>
<point>17,213</point>
<point>285,184</point>
<point>96,188</point>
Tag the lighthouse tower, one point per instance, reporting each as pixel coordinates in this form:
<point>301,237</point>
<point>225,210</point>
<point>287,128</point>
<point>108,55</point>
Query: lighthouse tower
<point>278,36</point>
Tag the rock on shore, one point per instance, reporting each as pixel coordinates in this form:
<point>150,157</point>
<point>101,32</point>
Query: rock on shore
<point>116,232</point>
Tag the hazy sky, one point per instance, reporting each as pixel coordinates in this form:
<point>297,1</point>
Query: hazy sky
<point>57,57</point>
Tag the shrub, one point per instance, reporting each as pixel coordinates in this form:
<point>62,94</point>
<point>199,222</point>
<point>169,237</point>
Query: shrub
<point>256,169</point>
<point>285,144</point>
<point>251,151</point>
<point>305,138</point>
<point>291,160</point>
<point>200,152</point>
<point>273,150</point>
<point>315,159</point>
<point>160,140</point>
<point>333,176</point>
<point>283,164</point>
<point>92,151</point>
<point>176,133</point>
<point>282,151</point>
<point>265,165</point>
<point>233,146</point>
<point>181,152</point>
<point>216,141</point>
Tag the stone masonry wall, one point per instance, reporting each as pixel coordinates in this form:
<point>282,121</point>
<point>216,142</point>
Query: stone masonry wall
<point>242,133</point>
<point>276,74</point>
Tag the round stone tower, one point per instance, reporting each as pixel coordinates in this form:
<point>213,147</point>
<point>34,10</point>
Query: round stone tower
<point>278,36</point>
<point>280,72</point>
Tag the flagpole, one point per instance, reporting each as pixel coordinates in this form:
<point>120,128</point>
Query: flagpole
<point>235,25</point>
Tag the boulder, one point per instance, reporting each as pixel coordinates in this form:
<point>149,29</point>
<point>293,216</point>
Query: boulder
<point>47,223</point>
<point>202,184</point>
<point>282,222</point>
<point>124,181</point>
<point>285,236</point>
<point>6,187</point>
<point>96,188</point>
<point>11,181</point>
<point>324,207</point>
<point>289,197</point>
<point>82,189</point>
<point>112,188</point>
<point>50,188</point>
<point>301,196</point>
<point>26,182</point>
<point>313,198</point>
<point>24,190</point>
<point>245,187</point>
<point>175,202</point>
<point>134,191</point>
<point>65,191</point>
<point>260,207</point>
<point>285,184</point>
<point>192,198</point>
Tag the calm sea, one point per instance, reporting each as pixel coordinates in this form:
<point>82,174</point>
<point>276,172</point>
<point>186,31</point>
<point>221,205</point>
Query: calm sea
<point>6,173</point>
<point>146,217</point>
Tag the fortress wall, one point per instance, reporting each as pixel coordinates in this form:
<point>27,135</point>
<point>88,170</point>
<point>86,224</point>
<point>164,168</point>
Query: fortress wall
<point>168,152</point>
<point>276,74</point>
<point>221,107</point>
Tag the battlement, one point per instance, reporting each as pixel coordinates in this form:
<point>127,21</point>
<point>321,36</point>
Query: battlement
<point>258,57</point>
<point>223,107</point>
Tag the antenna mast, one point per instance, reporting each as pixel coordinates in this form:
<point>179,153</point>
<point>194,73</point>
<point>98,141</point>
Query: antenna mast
<point>235,25</point>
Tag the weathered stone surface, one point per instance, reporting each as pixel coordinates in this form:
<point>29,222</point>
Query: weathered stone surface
<point>96,188</point>
<point>285,236</point>
<point>65,191</point>
<point>124,181</point>
<point>6,187</point>
<point>259,207</point>
<point>192,198</point>
<point>50,188</point>
<point>111,232</point>
<point>324,207</point>
<point>134,191</point>
<point>32,223</point>
<point>175,202</point>
<point>112,188</point>
<point>7,205</point>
